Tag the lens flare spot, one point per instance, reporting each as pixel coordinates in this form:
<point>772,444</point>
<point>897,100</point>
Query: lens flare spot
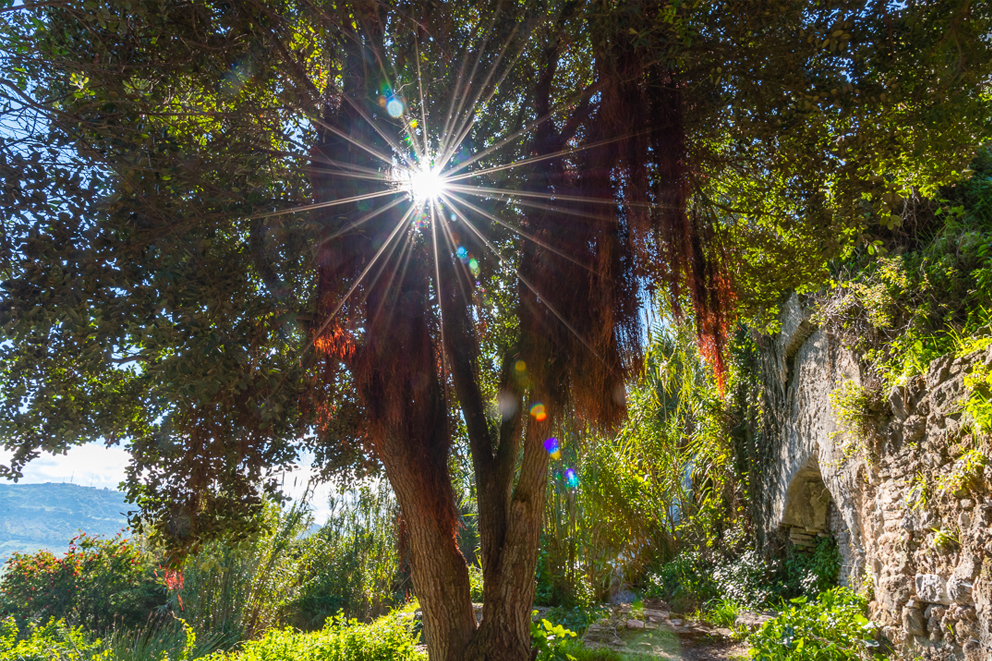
<point>538,412</point>
<point>473,266</point>
<point>394,107</point>
<point>236,78</point>
<point>462,252</point>
<point>420,220</point>
<point>571,479</point>
<point>551,445</point>
<point>520,366</point>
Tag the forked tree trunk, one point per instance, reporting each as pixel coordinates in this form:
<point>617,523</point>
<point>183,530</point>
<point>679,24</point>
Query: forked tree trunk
<point>402,392</point>
<point>440,573</point>
<point>510,580</point>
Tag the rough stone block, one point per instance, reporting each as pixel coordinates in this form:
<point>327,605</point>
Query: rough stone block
<point>948,625</point>
<point>945,397</point>
<point>964,520</point>
<point>892,592</point>
<point>959,590</point>
<point>932,589</point>
<point>913,622</point>
<point>635,624</point>
<point>916,520</point>
<point>965,631</point>
<point>938,371</point>
<point>899,403</point>
<point>913,429</point>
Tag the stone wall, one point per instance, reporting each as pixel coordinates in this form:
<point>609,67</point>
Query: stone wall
<point>800,369</point>
<point>913,505</point>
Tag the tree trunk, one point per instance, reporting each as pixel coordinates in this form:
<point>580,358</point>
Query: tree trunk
<point>504,634</point>
<point>440,574</point>
<point>400,382</point>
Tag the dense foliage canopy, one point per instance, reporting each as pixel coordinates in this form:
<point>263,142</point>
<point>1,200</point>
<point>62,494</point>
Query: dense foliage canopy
<point>212,250</point>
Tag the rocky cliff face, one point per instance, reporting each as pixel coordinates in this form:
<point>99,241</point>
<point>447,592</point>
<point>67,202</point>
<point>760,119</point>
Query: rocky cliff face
<point>911,507</point>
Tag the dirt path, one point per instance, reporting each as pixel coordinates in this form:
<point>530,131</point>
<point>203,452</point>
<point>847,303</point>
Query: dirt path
<point>665,643</point>
<point>654,631</point>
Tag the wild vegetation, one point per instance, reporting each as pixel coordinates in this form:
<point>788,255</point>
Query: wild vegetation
<point>419,240</point>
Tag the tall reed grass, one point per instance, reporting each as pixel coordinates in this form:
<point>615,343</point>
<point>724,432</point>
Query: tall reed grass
<point>237,591</point>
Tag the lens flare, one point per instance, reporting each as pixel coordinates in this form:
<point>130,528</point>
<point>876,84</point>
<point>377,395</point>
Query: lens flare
<point>420,220</point>
<point>571,478</point>
<point>551,445</point>
<point>538,412</point>
<point>394,107</point>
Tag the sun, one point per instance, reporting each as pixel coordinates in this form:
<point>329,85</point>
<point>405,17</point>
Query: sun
<point>425,184</point>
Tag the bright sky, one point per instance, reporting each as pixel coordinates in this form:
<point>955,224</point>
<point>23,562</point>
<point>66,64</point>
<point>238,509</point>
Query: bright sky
<point>94,465</point>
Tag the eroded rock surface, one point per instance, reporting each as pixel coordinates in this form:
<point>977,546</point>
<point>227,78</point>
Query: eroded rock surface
<point>909,504</point>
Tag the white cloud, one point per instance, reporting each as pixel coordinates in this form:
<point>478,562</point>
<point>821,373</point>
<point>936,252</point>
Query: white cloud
<point>90,465</point>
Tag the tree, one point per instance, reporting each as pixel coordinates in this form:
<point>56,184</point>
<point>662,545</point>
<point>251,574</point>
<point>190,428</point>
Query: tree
<point>215,249</point>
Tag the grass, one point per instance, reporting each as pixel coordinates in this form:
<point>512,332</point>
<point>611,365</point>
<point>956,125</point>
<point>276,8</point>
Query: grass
<point>386,639</point>
<point>719,613</point>
<point>173,641</point>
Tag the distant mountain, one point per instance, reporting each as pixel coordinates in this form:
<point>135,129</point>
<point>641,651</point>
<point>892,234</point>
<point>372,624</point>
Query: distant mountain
<point>47,516</point>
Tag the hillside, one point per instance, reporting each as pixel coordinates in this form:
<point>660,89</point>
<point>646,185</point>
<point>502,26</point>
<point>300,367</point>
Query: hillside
<point>47,516</point>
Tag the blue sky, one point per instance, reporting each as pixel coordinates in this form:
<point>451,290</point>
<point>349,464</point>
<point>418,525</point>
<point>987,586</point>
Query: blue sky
<point>94,465</point>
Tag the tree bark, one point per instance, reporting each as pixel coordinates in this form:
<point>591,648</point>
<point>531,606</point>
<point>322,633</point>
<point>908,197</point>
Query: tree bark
<point>439,571</point>
<point>509,594</point>
<point>509,521</point>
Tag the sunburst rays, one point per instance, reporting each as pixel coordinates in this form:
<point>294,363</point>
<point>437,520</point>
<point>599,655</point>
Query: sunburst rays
<point>444,185</point>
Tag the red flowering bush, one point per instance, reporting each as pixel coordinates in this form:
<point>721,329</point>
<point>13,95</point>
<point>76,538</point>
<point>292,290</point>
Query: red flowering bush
<point>97,583</point>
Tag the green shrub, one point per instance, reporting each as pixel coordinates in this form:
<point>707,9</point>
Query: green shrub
<point>475,581</point>
<point>979,403</point>
<point>238,590</point>
<point>806,574</point>
<point>745,579</point>
<point>97,583</point>
<point>52,641</point>
<point>720,613</point>
<point>577,618</point>
<point>851,404</point>
<point>351,564</point>
<point>685,581</point>
<point>171,640</point>
<point>553,642</point>
<point>560,582</point>
<point>831,628</point>
<point>930,297</point>
<point>386,639</point>
<point>548,639</point>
